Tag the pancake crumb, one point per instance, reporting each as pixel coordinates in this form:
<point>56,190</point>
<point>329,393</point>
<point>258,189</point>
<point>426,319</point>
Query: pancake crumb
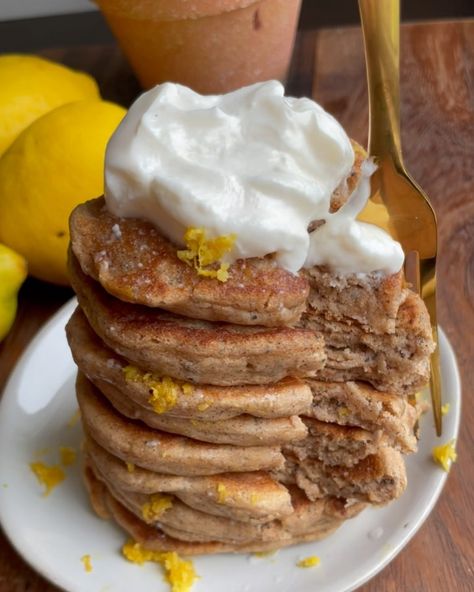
<point>202,253</point>
<point>179,573</point>
<point>87,562</point>
<point>48,475</point>
<point>445,455</point>
<point>157,506</point>
<point>311,561</point>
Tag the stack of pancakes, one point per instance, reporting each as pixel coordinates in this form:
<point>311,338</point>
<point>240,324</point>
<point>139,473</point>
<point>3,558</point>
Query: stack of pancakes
<point>249,414</point>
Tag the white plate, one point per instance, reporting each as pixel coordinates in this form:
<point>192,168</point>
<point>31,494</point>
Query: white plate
<point>53,533</point>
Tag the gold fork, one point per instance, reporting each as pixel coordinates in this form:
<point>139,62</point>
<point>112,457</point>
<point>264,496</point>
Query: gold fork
<point>399,200</point>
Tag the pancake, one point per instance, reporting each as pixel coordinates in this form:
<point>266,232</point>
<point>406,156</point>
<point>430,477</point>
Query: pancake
<point>290,396</point>
<point>359,404</point>
<point>333,444</point>
<point>154,539</point>
<point>398,363</point>
<point>250,496</point>
<point>242,430</point>
<point>133,262</point>
<point>182,521</point>
<point>341,194</point>
<point>164,453</point>
<point>196,351</point>
<point>376,479</point>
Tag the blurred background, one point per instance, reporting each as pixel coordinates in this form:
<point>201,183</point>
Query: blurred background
<point>37,24</point>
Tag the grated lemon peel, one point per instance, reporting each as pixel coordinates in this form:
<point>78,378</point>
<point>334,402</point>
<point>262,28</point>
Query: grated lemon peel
<point>202,252</point>
<point>445,453</point>
<point>445,409</point>
<point>163,391</point>
<point>311,561</point>
<point>87,562</point>
<point>130,467</point>
<point>221,493</point>
<point>68,455</point>
<point>157,506</point>
<point>48,475</point>
<point>179,573</point>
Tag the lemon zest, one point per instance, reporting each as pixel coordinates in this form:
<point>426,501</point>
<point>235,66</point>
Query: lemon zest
<point>445,409</point>
<point>445,453</point>
<point>86,560</point>
<point>311,561</point>
<point>202,252</point>
<point>254,498</point>
<point>130,467</point>
<point>203,406</point>
<point>48,475</point>
<point>221,493</point>
<point>163,391</point>
<point>68,455</point>
<point>157,506</point>
<point>343,411</point>
<point>179,573</point>
<point>263,554</point>
<point>187,388</point>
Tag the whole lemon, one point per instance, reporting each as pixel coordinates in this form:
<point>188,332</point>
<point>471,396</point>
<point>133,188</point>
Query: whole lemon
<point>55,164</point>
<point>31,86</point>
<point>12,275</point>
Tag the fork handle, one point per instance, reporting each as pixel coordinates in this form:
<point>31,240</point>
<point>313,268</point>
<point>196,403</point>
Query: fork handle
<point>381,28</point>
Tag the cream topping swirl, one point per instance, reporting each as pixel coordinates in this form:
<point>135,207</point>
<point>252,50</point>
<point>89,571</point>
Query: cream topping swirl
<point>253,163</point>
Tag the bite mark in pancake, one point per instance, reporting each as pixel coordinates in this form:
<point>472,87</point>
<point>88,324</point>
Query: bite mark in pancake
<point>398,363</point>
<point>359,404</point>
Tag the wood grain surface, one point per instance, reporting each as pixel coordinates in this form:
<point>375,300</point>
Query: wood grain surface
<point>437,70</point>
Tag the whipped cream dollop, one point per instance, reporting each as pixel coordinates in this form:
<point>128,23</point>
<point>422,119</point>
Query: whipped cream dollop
<point>253,163</point>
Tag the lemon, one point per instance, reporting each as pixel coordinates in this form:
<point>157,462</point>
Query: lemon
<point>31,86</point>
<point>12,275</point>
<point>56,163</point>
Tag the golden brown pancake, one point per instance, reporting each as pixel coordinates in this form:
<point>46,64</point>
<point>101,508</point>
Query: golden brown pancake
<point>191,525</point>
<point>141,266</point>
<point>158,451</point>
<point>196,351</point>
<point>242,430</point>
<point>290,396</point>
<point>106,506</point>
<point>250,496</point>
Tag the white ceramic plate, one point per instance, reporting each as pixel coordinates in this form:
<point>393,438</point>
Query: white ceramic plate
<point>53,533</point>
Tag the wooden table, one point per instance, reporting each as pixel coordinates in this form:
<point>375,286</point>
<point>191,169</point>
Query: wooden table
<point>437,71</point>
